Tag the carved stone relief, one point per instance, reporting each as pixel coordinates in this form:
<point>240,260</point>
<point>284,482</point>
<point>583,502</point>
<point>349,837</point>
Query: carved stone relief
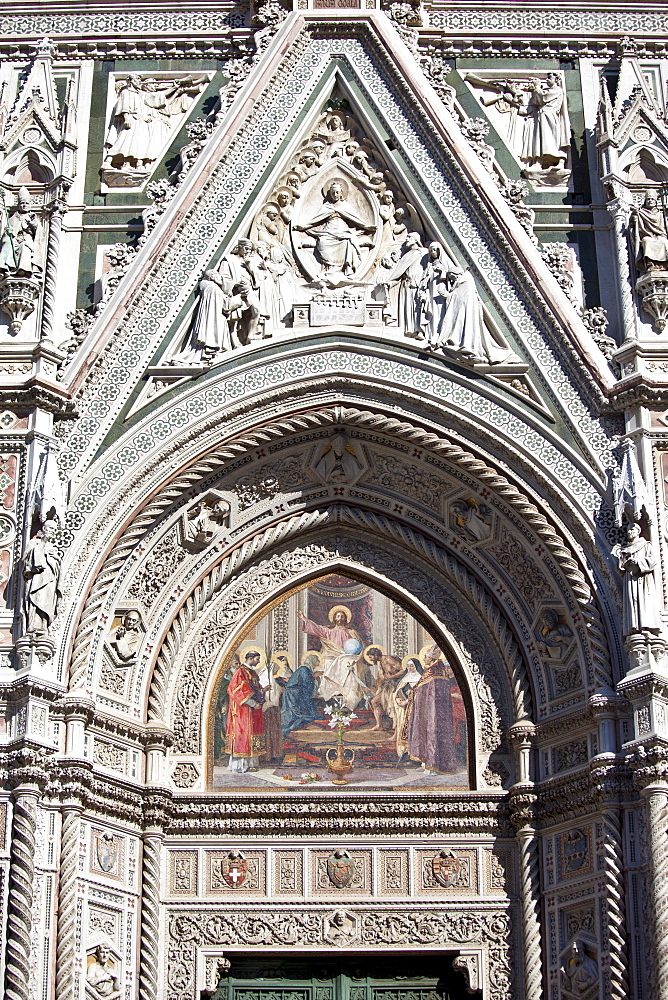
<point>341,871</point>
<point>553,635</point>
<point>103,972</point>
<point>338,243</point>
<point>579,969</point>
<point>449,871</point>
<point>530,111</point>
<point>204,520</point>
<point>107,853</point>
<point>312,928</point>
<point>470,519</point>
<point>145,114</point>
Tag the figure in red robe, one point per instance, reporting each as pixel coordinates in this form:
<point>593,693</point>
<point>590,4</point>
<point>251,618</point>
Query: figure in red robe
<point>245,740</point>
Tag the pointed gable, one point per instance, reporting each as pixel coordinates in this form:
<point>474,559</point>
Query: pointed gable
<point>435,176</point>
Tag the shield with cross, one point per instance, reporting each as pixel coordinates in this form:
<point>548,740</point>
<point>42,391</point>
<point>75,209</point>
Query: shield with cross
<point>234,869</point>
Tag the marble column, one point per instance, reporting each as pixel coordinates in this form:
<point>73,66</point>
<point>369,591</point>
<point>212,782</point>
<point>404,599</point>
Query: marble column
<point>20,891</point>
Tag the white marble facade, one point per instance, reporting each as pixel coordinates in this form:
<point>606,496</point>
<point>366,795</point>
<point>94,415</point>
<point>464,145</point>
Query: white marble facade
<point>333,558</point>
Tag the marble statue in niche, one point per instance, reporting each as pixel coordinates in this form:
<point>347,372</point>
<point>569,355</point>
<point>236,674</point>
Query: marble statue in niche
<point>649,234</point>
<point>102,980</point>
<point>532,113</point>
<point>637,562</point>
<point>41,580</point>
<point>21,240</point>
<point>337,243</point>
<point>142,120</point>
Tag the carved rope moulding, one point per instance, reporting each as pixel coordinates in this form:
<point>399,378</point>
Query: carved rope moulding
<point>167,427</point>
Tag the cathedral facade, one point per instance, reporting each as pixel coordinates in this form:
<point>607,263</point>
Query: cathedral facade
<point>334,528</point>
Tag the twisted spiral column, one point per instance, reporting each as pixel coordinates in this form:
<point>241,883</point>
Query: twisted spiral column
<point>65,945</point>
<point>613,859</point>
<point>20,892</point>
<point>51,269</point>
<point>150,917</point>
<point>656,797</point>
<point>529,895</point>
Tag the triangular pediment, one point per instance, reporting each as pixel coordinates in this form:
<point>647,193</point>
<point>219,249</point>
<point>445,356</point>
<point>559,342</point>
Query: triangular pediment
<point>408,169</point>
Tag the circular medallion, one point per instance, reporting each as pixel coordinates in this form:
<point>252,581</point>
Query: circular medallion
<point>31,136</point>
<point>642,134</point>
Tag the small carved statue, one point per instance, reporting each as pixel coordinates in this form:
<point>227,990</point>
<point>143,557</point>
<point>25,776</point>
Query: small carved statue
<point>554,636</point>
<point>409,273</point>
<point>41,574</point>
<point>212,331</point>
<point>141,120</point>
<point>101,983</point>
<point>637,561</point>
<point>20,243</point>
<point>453,315</point>
<point>547,130</point>
<point>127,636</point>
<point>648,228</point>
<point>579,971</point>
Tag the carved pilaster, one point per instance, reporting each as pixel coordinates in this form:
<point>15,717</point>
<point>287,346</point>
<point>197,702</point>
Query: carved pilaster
<point>619,210</point>
<point>154,820</point>
<point>58,209</point>
<point>20,891</point>
<point>67,891</point>
<point>650,767</point>
<point>656,797</point>
<point>522,804</point>
<point>607,790</point>
<point>150,915</point>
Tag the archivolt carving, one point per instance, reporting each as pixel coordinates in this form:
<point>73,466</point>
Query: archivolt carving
<point>432,928</point>
<point>204,468</point>
<point>234,604</point>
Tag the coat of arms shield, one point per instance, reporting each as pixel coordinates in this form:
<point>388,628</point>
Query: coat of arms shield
<point>446,868</point>
<point>106,849</point>
<point>234,869</point>
<point>340,869</point>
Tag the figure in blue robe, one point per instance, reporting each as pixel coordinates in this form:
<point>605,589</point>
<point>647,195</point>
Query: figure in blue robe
<point>297,706</point>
